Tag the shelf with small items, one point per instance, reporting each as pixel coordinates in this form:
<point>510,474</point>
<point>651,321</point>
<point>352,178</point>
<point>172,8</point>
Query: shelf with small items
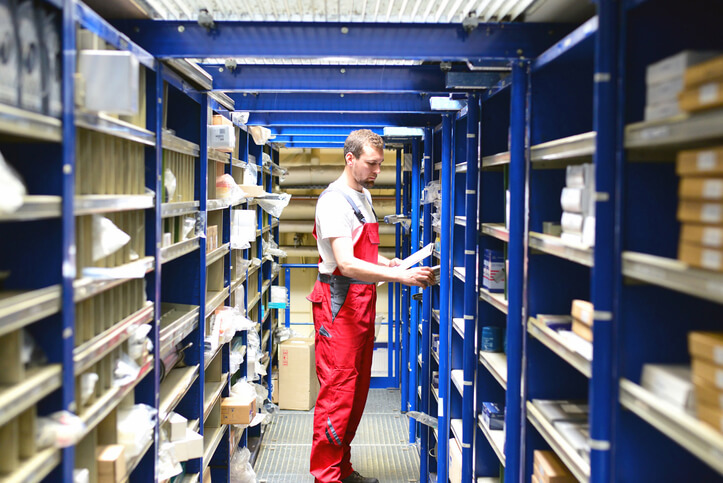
<point>215,299</point>
<point>561,346</point>
<point>554,245</point>
<point>496,364</point>
<point>675,133</point>
<point>87,287</point>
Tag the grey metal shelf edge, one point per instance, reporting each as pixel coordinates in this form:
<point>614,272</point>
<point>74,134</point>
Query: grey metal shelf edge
<point>553,245</point>
<point>496,230</point>
<point>18,309</point>
<point>29,125</point>
<point>675,133</point>
<point>93,204</point>
<point>35,386</point>
<point>496,364</point>
<point>35,207</point>
<point>179,249</point>
<point>179,145</point>
<point>105,124</point>
<point>496,438</point>
<point>179,208</point>
<point>557,344</point>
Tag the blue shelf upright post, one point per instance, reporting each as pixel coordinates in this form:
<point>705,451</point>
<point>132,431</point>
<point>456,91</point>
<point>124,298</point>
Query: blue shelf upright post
<point>516,317</point>
<point>445,307</point>
<point>396,295</point>
<point>471,297</point>
<point>607,253</point>
<point>414,319</point>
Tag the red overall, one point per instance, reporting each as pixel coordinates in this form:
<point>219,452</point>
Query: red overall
<point>344,323</point>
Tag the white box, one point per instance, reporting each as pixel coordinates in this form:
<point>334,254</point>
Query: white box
<point>572,222</point>
<point>111,80</point>
<point>177,427</point>
<point>221,137</point>
<point>664,92</point>
<point>671,382</point>
<point>193,444</point>
<point>675,65</point>
<point>662,111</point>
<point>179,450</point>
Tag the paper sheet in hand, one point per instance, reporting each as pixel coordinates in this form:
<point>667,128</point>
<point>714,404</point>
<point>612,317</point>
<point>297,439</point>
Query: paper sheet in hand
<point>414,258</point>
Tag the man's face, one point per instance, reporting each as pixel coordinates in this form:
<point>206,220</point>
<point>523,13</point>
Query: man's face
<point>366,168</point>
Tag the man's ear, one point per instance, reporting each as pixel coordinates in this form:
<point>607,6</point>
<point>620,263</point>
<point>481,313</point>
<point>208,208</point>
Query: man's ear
<point>349,157</point>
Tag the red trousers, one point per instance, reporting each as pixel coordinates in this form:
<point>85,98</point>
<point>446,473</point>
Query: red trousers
<point>344,348</point>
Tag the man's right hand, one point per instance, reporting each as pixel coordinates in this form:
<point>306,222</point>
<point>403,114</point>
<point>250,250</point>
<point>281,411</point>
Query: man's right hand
<point>417,277</point>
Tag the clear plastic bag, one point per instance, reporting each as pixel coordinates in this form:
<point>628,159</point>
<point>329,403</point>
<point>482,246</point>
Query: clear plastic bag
<point>251,174</point>
<point>135,427</point>
<point>168,465</point>
<point>59,430</point>
<point>12,188</point>
<point>138,343</point>
<point>31,354</point>
<point>126,371</point>
<point>431,192</point>
<point>270,249</point>
<point>107,238</point>
<point>241,469</point>
<point>87,386</point>
<point>228,190</point>
<point>274,204</point>
<point>260,134</point>
<point>170,183</point>
<point>279,297</point>
<point>243,228</point>
<point>189,227</point>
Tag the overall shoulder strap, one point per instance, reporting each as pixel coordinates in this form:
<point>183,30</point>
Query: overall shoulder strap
<point>357,211</point>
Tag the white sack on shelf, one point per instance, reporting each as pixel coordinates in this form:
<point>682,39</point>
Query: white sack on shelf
<point>107,237</point>
<point>260,134</point>
<point>12,188</point>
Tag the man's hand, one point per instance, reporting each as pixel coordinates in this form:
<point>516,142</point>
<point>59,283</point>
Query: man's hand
<point>394,262</point>
<point>417,277</point>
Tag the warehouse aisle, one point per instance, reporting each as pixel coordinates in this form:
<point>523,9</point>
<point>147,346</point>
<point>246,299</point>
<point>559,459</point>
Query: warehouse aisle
<point>380,448</point>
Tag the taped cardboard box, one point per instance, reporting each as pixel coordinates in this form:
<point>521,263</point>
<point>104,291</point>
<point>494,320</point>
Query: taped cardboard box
<point>699,212</point>
<point>298,384</point>
<point>705,96</point>
<point>706,235</point>
<point>550,468</point>
<point>275,383</point>
<point>701,257</point>
<point>111,463</point>
<point>707,346</point>
<point>700,162</point>
<point>238,409</point>
<point>699,188</point>
<point>708,374</point>
<point>712,416</point>
<point>583,311</point>
<point>584,331</point>
<point>707,395</point>
<point>704,72</point>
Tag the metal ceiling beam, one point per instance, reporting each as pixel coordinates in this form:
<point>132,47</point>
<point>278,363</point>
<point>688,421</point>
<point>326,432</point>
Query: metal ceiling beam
<point>356,120</point>
<point>312,145</point>
<point>339,79</point>
<point>315,102</point>
<point>422,41</point>
<point>301,138</point>
<point>342,131</point>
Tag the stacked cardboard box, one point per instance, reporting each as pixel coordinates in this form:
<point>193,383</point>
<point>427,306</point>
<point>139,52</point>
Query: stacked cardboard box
<point>493,272</point>
<point>665,82</point>
<point>700,207</point>
<point>578,205</point>
<point>583,317</point>
<point>549,469</point>
<point>211,238</point>
<point>706,351</point>
<point>703,86</point>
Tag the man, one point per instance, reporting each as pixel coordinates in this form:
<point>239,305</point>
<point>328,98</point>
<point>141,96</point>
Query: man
<point>344,305</point>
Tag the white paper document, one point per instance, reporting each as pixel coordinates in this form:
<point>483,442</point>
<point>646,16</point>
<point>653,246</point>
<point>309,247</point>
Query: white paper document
<point>414,258</point>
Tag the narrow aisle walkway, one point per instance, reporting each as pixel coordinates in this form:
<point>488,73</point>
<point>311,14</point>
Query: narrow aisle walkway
<point>380,447</point>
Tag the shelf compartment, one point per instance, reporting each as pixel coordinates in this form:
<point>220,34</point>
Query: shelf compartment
<point>84,288</point>
<point>496,230</point>
<point>553,245</point>
<point>173,388</point>
<point>105,124</point>
<point>579,468</point>
<point>217,254</point>
<point>252,303</point>
<point>35,207</point>
<point>435,356</point>
<point>176,325</point>
<point>695,436</point>
<point>565,149</point>
<point>457,427</point>
<point>265,286</point>
<point>498,159</point>
<point>497,300</point>
<point>132,464</point>
<point>108,401</point>
<point>179,209</point>
<point>214,205</point>
<point>36,468</point>
<point>30,126</point>
<point>208,360</point>
<point>458,324</point>
<point>674,275</point>
<point>496,364</point>
<point>496,438</point>
<point>238,282</point>
<point>178,145</point>
<point>18,309</point>
<point>438,166</point>
<point>36,384</point>
<point>459,272</point>
<point>94,204</point>
<point>553,341</point>
<point>212,392</point>
<point>177,250</point>
<point>457,376</point>
<point>218,156</point>
<point>214,300</point>
<point>86,354</point>
<point>675,133</point>
<point>211,440</point>
<point>460,220</point>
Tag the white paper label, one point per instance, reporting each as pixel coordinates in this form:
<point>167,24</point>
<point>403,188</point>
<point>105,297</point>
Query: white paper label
<point>713,188</point>
<point>712,237</point>
<point>708,93</point>
<point>440,408</point>
<point>718,356</point>
<point>706,160</point>
<point>711,259</point>
<point>718,379</point>
<point>711,213</point>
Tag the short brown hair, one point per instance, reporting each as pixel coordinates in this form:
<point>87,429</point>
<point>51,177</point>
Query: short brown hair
<point>356,141</point>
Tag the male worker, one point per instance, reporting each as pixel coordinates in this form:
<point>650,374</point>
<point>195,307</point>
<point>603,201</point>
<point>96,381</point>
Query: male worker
<point>344,305</point>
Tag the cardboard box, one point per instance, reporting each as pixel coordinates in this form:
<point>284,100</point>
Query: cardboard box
<point>298,384</point>
<point>111,463</point>
<point>700,188</point>
<point>700,212</point>
<point>535,478</point>
<point>177,427</point>
<point>111,80</point>
<point>708,374</point>
<point>275,383</point>
<point>712,416</point>
<point>193,445</point>
<point>238,410</point>
<point>550,468</point>
<point>582,330</point>
<point>707,346</point>
<point>670,382</point>
<point>675,65</point>
<point>455,461</point>
<point>219,120</point>
<point>704,72</point>
<point>494,271</point>
<point>706,235</point>
<point>701,257</point>
<point>583,311</point>
<point>700,162</point>
<point>221,138</point>
<point>493,415</point>
<point>704,96</point>
<point>707,395</point>
<point>211,237</point>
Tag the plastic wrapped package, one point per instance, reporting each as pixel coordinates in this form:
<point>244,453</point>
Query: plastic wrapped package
<point>431,192</point>
<point>59,430</point>
<point>189,229</point>
<point>270,249</point>
<point>87,386</point>
<point>12,188</point>
<point>241,469</point>
<point>227,189</point>
<point>260,134</point>
<point>138,343</point>
<point>243,228</point>
<point>423,418</point>
<point>170,183</point>
<point>239,300</point>
<point>251,174</point>
<point>274,204</point>
<point>135,427</point>
<point>266,159</point>
<point>279,297</point>
<point>107,237</point>
<point>168,465</point>
<point>126,371</point>
<point>81,475</point>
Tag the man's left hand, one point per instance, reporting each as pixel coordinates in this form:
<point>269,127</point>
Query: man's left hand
<point>394,262</point>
